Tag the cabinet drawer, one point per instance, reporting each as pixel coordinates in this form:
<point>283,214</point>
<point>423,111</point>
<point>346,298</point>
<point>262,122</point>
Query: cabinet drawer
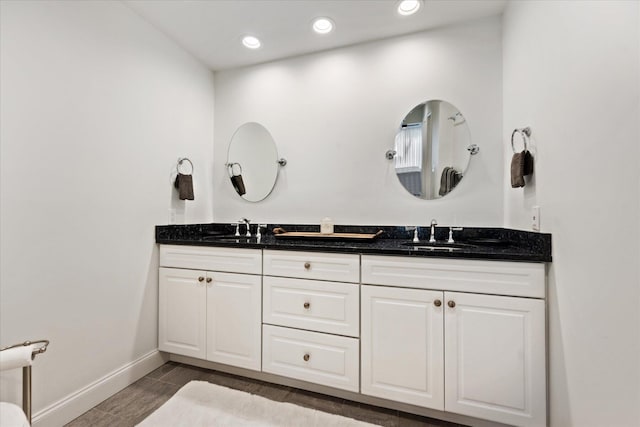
<point>309,304</point>
<point>313,265</point>
<point>523,279</point>
<point>231,260</point>
<point>311,356</point>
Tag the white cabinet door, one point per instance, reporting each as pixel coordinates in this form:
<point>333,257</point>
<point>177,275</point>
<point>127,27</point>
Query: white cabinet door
<point>234,319</point>
<point>182,312</point>
<point>402,345</point>
<point>495,358</point>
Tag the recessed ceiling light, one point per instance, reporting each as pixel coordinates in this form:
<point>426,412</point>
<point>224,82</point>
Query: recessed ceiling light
<point>408,7</point>
<point>251,42</point>
<point>322,25</point>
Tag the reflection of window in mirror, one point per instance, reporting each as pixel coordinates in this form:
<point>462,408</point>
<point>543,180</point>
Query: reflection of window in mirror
<point>409,149</point>
<point>432,149</point>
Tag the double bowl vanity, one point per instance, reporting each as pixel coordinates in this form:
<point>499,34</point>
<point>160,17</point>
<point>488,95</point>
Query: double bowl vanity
<point>449,330</point>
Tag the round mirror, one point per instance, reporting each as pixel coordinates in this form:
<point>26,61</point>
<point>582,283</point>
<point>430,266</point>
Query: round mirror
<point>432,149</point>
<point>252,162</point>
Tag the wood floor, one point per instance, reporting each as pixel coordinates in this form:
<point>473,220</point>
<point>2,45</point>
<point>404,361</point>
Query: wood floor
<point>133,404</point>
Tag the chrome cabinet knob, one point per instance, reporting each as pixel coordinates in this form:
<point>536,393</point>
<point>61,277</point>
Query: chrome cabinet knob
<point>307,265</point>
<point>306,305</point>
<point>437,303</point>
<point>451,304</point>
<point>306,357</point>
<point>209,279</point>
<point>201,279</point>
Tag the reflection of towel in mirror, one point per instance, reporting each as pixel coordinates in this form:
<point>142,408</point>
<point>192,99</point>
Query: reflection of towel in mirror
<point>184,185</point>
<point>521,166</point>
<point>449,179</point>
<point>238,184</point>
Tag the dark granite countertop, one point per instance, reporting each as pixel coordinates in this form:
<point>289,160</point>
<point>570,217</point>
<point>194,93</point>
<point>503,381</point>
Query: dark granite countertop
<point>471,242</point>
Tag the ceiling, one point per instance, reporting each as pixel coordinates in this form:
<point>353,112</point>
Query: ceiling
<point>212,30</point>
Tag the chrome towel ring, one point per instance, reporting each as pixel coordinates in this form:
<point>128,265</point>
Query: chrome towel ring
<point>525,133</point>
<point>231,170</point>
<point>180,162</point>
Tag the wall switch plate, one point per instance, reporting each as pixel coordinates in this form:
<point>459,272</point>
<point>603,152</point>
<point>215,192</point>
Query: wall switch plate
<point>535,218</point>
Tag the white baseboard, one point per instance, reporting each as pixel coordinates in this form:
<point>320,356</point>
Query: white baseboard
<point>79,402</point>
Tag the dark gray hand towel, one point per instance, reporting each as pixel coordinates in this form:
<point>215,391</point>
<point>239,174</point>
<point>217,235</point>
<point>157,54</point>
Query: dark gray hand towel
<point>521,166</point>
<point>449,179</point>
<point>184,184</point>
<point>238,184</point>
<point>517,170</point>
<point>444,181</point>
<point>456,178</point>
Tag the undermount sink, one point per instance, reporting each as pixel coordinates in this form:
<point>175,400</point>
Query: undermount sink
<point>438,246</point>
<point>228,238</point>
<point>487,241</point>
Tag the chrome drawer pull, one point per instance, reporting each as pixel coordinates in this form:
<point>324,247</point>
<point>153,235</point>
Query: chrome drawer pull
<point>307,265</point>
<point>306,305</point>
<point>306,357</point>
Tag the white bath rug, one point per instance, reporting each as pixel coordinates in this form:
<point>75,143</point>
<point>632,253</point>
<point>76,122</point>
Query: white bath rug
<point>200,404</point>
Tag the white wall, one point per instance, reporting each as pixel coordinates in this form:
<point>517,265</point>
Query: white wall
<point>334,114</point>
<point>571,73</point>
<point>96,108</point>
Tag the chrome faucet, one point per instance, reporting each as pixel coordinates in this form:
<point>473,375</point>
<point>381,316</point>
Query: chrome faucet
<point>432,237</point>
<point>258,234</point>
<point>451,230</point>
<point>247,223</point>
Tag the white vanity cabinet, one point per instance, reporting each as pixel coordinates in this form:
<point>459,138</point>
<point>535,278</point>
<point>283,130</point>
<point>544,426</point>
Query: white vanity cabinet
<point>209,308</point>
<point>456,336</point>
<point>469,352</point>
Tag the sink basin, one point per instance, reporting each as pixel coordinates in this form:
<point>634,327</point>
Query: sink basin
<point>207,234</point>
<point>438,245</point>
<point>486,241</point>
<point>228,238</point>
<point>438,248</point>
